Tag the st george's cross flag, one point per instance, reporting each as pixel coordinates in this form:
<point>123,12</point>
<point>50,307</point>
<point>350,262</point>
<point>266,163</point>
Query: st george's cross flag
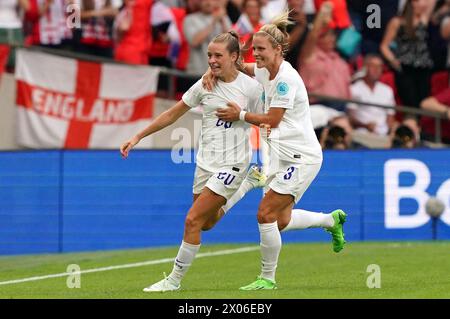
<point>74,104</point>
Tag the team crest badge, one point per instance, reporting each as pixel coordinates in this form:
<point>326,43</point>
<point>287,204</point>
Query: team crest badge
<point>282,88</point>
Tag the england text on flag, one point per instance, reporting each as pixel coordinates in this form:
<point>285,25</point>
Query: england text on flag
<point>66,103</point>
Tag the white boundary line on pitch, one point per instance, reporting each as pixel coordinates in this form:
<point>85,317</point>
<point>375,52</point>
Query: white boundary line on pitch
<point>145,263</point>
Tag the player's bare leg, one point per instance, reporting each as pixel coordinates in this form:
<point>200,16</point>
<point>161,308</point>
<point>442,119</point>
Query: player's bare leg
<point>254,178</point>
<point>205,206</point>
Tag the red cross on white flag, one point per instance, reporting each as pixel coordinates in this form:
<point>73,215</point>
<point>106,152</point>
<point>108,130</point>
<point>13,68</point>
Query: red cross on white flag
<point>66,103</point>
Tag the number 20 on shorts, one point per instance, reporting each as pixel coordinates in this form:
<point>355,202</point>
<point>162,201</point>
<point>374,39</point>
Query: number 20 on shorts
<point>226,177</point>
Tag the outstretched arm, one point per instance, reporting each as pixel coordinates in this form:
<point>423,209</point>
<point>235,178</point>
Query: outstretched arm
<point>163,120</point>
<point>321,21</point>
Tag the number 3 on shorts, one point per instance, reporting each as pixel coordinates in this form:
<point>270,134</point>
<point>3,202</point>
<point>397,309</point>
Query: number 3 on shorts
<point>290,170</point>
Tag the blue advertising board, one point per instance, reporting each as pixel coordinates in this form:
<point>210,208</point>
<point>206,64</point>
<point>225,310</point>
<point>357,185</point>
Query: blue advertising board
<point>62,201</point>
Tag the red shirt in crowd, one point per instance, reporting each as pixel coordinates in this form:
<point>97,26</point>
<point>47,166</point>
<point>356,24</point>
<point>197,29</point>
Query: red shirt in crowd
<point>135,45</point>
<point>341,18</point>
<point>327,73</point>
<point>49,28</point>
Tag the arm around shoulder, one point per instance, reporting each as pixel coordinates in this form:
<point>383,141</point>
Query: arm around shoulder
<point>249,69</point>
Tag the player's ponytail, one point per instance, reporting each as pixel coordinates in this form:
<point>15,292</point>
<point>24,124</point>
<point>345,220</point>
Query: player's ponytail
<point>276,31</point>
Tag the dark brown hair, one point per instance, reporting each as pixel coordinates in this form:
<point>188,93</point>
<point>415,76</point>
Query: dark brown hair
<point>408,18</point>
<point>231,38</point>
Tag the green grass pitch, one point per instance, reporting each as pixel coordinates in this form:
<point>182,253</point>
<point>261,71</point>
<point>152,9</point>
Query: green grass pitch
<point>408,270</point>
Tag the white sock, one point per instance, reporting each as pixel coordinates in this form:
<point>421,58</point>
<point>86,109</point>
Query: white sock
<point>302,219</point>
<point>270,249</point>
<point>183,261</point>
<point>245,187</point>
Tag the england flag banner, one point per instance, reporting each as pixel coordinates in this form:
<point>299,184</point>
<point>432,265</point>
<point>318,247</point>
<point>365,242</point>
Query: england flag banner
<point>73,104</point>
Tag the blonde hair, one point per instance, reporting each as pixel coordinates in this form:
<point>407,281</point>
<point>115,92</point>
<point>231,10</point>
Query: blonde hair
<point>276,31</point>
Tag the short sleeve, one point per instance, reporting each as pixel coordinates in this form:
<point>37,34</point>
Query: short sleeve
<point>285,91</point>
<point>193,96</point>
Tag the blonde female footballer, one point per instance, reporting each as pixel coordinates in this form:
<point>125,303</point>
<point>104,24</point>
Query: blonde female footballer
<point>294,152</point>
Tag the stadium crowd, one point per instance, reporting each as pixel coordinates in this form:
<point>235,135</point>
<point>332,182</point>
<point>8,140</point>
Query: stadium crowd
<point>344,49</point>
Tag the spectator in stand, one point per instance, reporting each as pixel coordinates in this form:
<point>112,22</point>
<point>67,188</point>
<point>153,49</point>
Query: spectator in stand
<point>411,59</point>
<point>370,118</point>
<point>180,13</point>
<point>248,23</point>
<point>200,28</point>
<point>403,137</point>
<point>165,35</point>
<point>97,17</point>
<point>272,8</point>
<point>234,9</point>
<point>340,17</point>
<point>334,137</point>
<point>10,29</point>
<point>191,6</point>
<point>325,72</point>
<point>45,24</point>
<point>165,44</point>
<point>440,103</point>
<point>322,69</point>
<point>298,30</point>
<point>132,31</point>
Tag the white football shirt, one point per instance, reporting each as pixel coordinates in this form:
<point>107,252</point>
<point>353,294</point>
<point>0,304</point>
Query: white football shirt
<point>225,143</point>
<point>294,140</point>
<point>381,94</point>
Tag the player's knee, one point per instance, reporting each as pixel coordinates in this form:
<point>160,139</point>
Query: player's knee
<point>192,223</point>
<point>266,215</point>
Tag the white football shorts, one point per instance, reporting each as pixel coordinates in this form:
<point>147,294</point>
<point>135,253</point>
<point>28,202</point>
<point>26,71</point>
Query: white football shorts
<point>224,182</point>
<point>292,178</point>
